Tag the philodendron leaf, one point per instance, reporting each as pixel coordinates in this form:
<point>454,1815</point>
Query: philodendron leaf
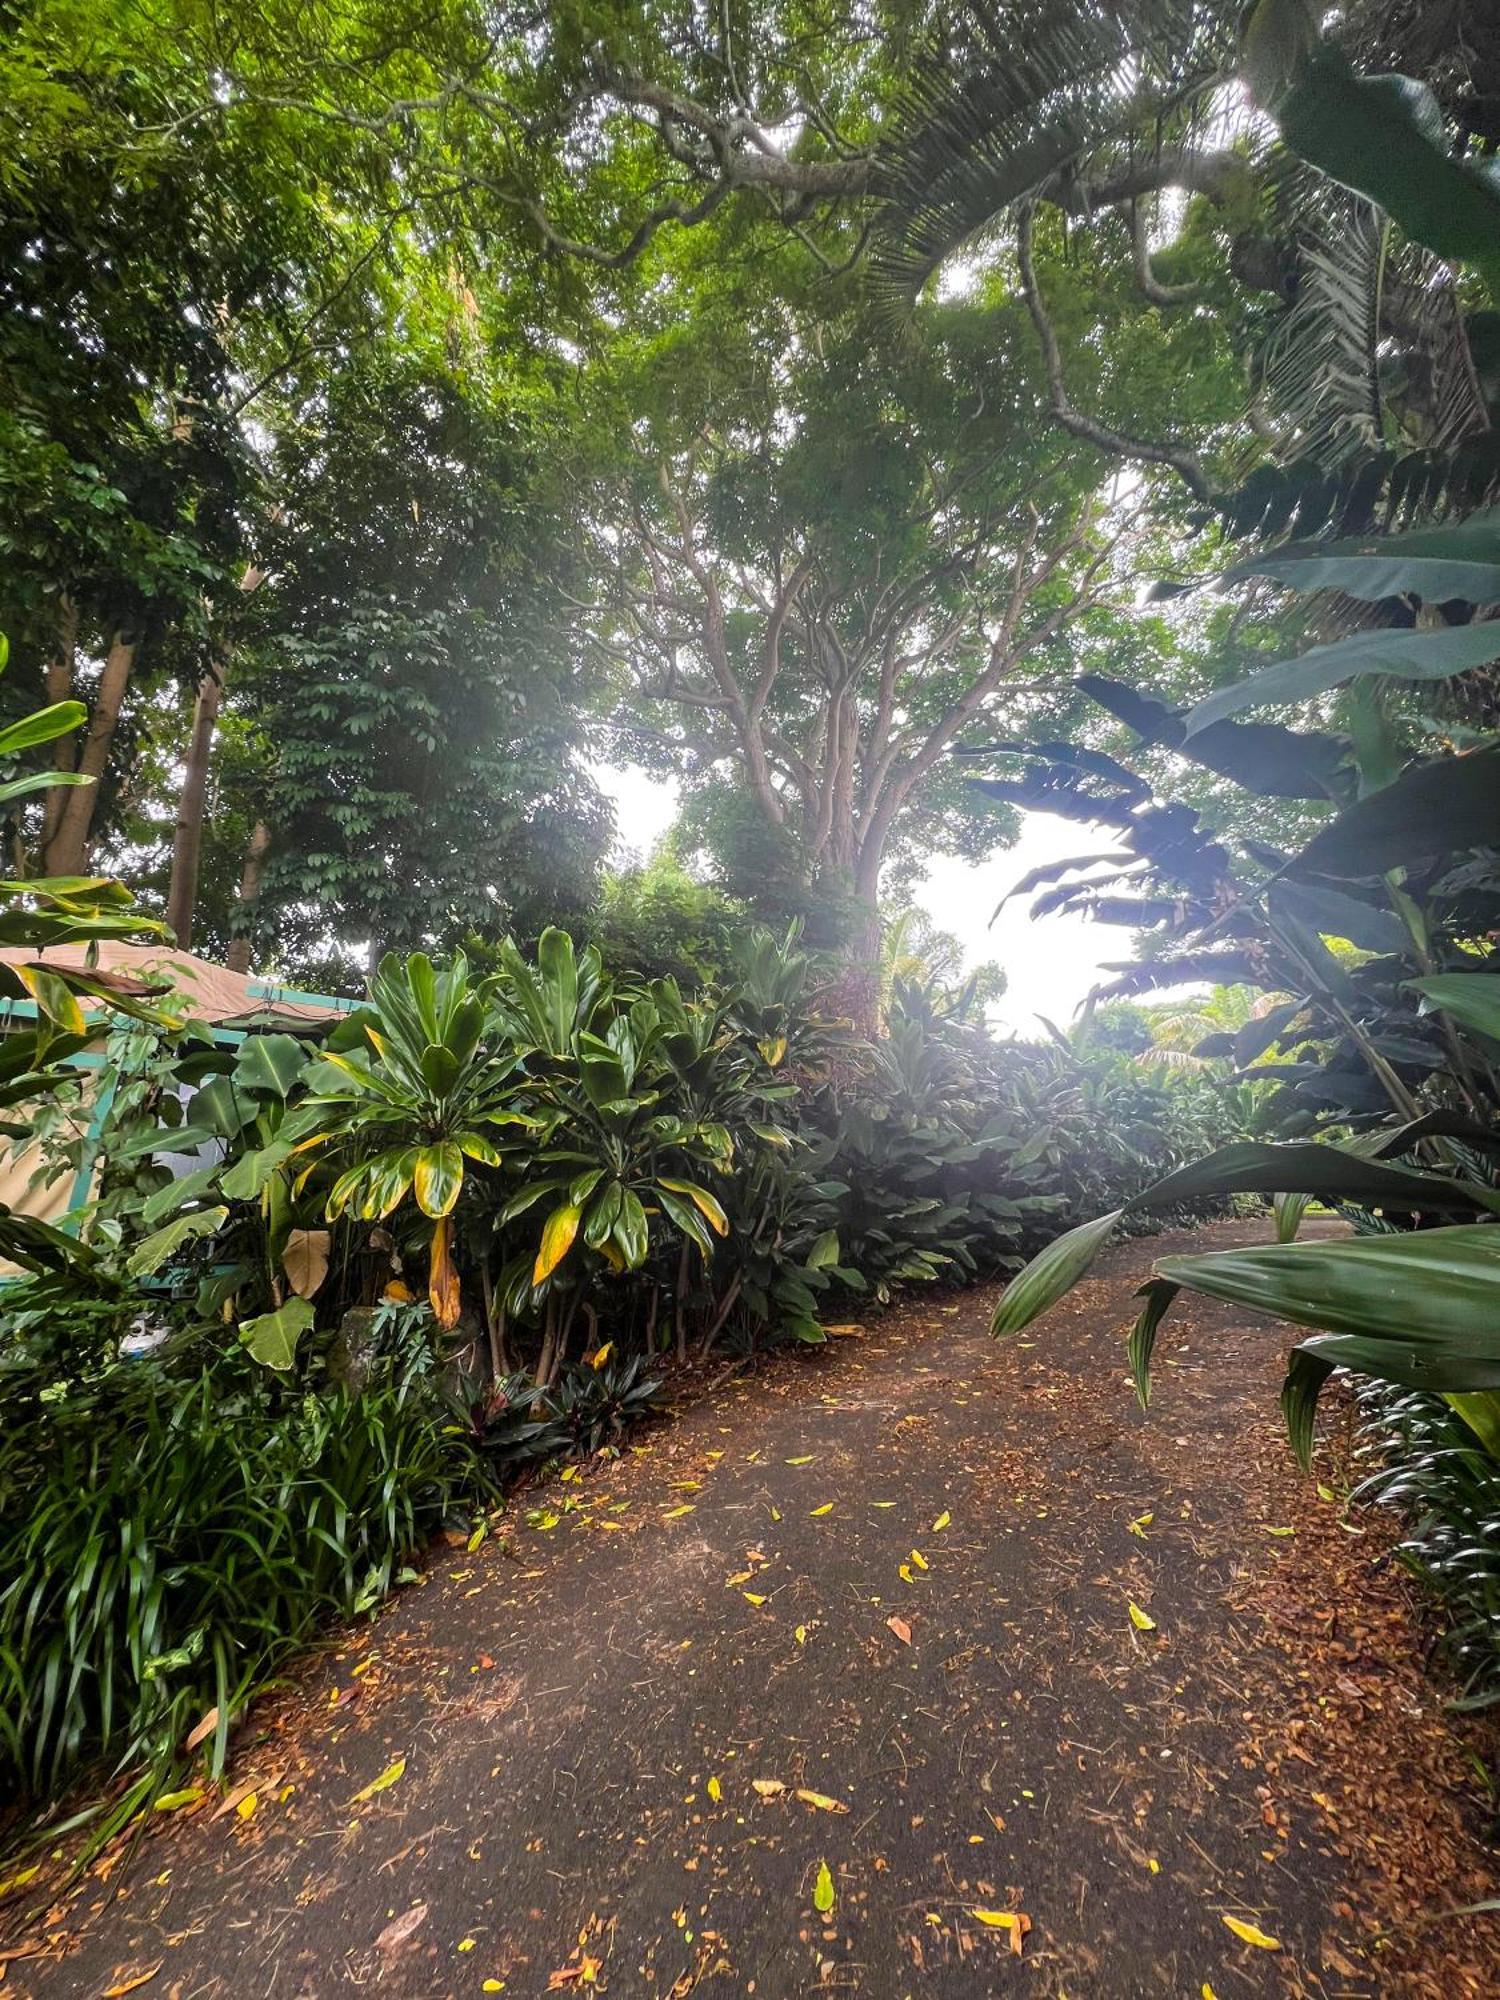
<point>272,1337</point>
<point>1406,656</point>
<point>1050,1274</point>
<point>150,1254</point>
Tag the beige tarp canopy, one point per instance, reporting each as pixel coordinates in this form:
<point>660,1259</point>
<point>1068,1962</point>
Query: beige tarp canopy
<point>223,998</point>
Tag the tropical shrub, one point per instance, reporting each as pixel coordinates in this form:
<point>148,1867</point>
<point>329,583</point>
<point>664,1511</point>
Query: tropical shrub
<point>1430,1467</point>
<point>1393,1036</point>
<point>169,1533</point>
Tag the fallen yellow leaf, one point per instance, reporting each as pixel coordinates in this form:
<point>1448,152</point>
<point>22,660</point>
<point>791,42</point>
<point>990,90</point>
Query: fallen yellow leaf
<point>826,1508</point>
<point>388,1777</point>
<point>823,1890</point>
<point>1249,1934</point>
<point>751,1597</point>
<point>800,1635</point>
<point>715,1790</point>
<point>904,1572</point>
<point>807,1460</point>
<point>941,1522</point>
<point>822,1801</point>
<point>174,1801</point>
<point>1141,1620</point>
<point>133,1980</point>
<point>919,1559</point>
<point>246,1806</point>
<point>769,1788</point>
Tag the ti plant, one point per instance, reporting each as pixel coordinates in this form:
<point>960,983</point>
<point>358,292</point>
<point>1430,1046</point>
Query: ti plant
<point>409,1090</point>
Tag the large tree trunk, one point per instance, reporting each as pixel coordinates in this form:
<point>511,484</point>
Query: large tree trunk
<point>255,866</point>
<point>187,839</point>
<point>60,671</point>
<point>67,851</point>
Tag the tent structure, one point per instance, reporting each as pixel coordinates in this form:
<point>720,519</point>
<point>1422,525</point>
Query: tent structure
<point>231,1004</point>
<point>212,993</point>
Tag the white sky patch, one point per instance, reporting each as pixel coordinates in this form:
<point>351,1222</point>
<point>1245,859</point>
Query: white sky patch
<point>1050,964</point>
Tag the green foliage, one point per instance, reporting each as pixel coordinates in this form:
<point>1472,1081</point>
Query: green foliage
<point>1428,1465</point>
<point>171,1534</point>
<point>1405,878</point>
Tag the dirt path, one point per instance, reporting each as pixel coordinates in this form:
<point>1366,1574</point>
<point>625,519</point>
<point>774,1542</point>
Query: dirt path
<point>899,1575</point>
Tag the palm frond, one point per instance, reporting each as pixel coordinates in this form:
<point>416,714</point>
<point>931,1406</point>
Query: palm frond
<point>1321,367</point>
<point>1015,95</point>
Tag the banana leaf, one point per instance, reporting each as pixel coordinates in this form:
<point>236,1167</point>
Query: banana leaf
<point>1404,655</point>
<point>1458,560</point>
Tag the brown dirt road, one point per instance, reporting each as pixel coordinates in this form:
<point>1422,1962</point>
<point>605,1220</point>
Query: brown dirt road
<point>896,1576</point>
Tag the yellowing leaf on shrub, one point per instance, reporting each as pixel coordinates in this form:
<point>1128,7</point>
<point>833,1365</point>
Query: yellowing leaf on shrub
<point>1251,1934</point>
<point>822,1801</point>
<point>557,1240</point>
<point>1141,1620</point>
<point>941,1522</point>
<point>823,1890</point>
<point>388,1777</point>
<point>715,1790</point>
<point>602,1354</point>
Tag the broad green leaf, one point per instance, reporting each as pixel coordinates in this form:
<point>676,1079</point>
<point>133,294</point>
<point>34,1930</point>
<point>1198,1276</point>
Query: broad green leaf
<point>824,1255</point>
<point>1331,1172</point>
<point>1472,998</point>
<point>706,1204</point>
<point>149,1256</point>
<point>1432,810</point>
<point>1305,1375</point>
<point>1289,1210</point>
<point>437,1177</point>
<point>1158,1294</point>
<point>557,1240</point>
<point>272,1337</point>
<point>270,1064</point>
<point>1459,560</point>
<point>45,726</point>
<point>53,996</point>
<point>252,1170</point>
<point>1407,656</point>
<point>630,1232</point>
<point>177,1194</point>
<point>1050,1274</point>
<point>1386,137</point>
<point>1418,1309</point>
